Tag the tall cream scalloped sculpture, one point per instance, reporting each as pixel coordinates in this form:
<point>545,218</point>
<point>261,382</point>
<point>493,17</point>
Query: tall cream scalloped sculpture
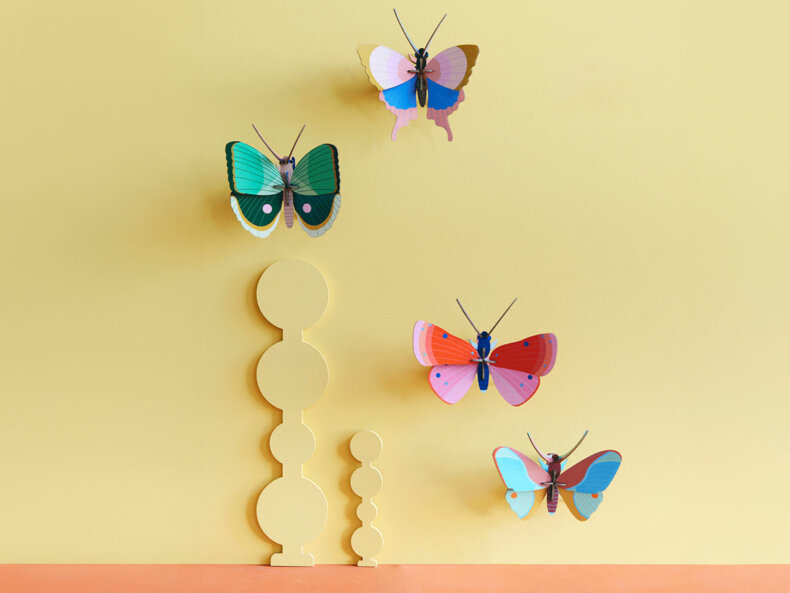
<point>292,375</point>
<point>366,482</point>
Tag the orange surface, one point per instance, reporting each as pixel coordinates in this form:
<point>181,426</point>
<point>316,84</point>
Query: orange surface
<point>476,578</point>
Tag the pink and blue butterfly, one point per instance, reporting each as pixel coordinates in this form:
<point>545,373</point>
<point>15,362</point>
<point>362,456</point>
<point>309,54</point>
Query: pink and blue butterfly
<point>406,80</point>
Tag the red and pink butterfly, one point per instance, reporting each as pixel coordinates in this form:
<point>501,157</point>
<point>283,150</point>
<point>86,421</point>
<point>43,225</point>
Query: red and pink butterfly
<point>581,486</point>
<point>405,80</point>
<point>516,367</point>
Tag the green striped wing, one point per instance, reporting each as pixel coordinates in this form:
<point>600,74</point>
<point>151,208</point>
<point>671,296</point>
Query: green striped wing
<point>254,198</point>
<point>316,183</point>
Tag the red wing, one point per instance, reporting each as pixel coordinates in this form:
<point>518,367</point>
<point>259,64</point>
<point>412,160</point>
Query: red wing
<point>535,355</point>
<point>433,346</point>
<point>593,474</point>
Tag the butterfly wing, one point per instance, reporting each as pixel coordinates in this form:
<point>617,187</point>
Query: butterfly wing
<point>586,481</point>
<point>254,196</point>
<point>435,346</point>
<point>535,355</point>
<point>449,72</point>
<point>516,387</point>
<point>450,382</point>
<point>523,478</point>
<point>388,71</point>
<point>316,183</point>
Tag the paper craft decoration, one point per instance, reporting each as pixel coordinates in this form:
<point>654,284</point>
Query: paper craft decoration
<point>403,81</point>
<point>260,191</point>
<point>366,482</point>
<point>581,486</point>
<point>516,367</point>
<point>292,375</point>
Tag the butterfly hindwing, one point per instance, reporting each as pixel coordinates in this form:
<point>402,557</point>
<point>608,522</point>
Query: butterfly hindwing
<point>581,504</point>
<point>435,346</point>
<point>316,181</point>
<point>515,387</point>
<point>534,355</point>
<point>257,214</point>
<point>450,382</point>
<point>526,503</point>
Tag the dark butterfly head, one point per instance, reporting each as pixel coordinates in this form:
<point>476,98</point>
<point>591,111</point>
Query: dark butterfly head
<point>484,335</point>
<point>421,53</point>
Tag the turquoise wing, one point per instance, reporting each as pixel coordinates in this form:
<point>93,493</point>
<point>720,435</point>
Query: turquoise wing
<point>518,471</point>
<point>316,183</point>
<point>251,173</point>
<point>256,188</point>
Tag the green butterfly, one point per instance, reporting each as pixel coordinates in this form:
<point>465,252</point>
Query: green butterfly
<point>259,190</point>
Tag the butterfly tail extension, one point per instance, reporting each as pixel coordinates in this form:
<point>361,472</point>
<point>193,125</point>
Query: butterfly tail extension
<point>402,116</point>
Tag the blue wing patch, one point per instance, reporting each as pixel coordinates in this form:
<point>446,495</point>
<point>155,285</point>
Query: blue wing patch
<point>599,475</point>
<point>520,502</point>
<point>518,472</point>
<point>440,97</point>
<point>402,96</point>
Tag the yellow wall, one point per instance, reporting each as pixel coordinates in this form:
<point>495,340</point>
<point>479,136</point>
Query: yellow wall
<point>621,167</point>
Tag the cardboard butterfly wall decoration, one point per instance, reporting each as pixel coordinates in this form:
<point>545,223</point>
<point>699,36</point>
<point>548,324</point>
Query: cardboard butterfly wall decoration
<point>405,80</point>
<point>580,486</point>
<point>516,367</point>
<point>261,191</point>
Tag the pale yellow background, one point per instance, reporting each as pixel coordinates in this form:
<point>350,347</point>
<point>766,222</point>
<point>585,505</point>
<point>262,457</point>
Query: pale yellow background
<point>621,167</point>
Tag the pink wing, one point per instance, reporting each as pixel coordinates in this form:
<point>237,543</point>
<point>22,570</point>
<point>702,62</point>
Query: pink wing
<point>451,382</point>
<point>515,387</point>
<point>386,67</point>
<point>450,69</point>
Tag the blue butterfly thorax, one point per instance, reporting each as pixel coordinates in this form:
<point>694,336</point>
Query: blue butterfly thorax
<point>483,350</point>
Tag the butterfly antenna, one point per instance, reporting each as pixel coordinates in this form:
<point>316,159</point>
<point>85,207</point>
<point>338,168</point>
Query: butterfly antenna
<point>434,32</point>
<point>266,143</point>
<point>290,154</point>
<point>575,446</point>
<point>467,316</point>
<point>503,314</point>
<point>534,446</point>
<point>404,30</point>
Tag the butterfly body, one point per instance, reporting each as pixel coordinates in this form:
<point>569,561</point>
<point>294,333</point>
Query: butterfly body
<point>580,487</point>
<point>483,350</point>
<point>286,172</point>
<point>420,62</point>
<point>403,81</point>
<point>516,367</point>
<point>261,191</point>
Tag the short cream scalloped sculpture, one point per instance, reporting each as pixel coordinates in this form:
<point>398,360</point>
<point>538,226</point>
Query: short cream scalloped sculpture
<point>366,482</point>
